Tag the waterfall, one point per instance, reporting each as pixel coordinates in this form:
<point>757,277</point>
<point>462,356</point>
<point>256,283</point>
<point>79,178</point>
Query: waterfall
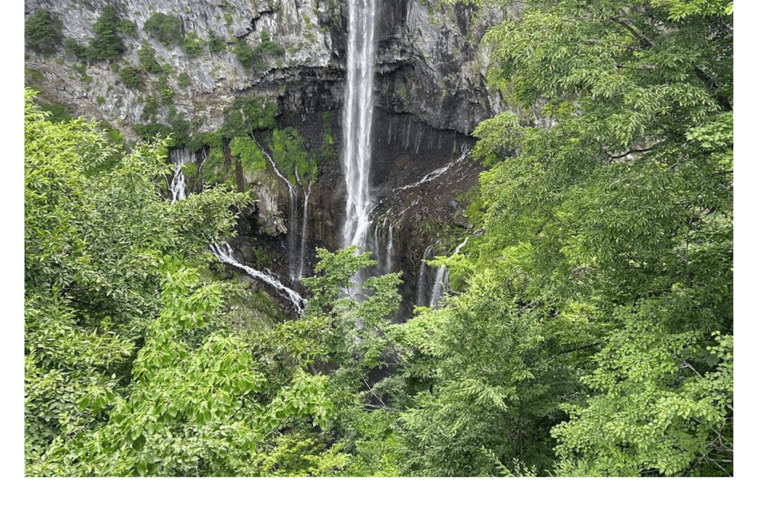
<point>389,250</point>
<point>293,272</point>
<point>441,283</point>
<point>437,172</point>
<point>225,255</point>
<point>178,187</point>
<point>421,296</point>
<point>358,110</point>
<point>304,230</point>
<point>441,280</point>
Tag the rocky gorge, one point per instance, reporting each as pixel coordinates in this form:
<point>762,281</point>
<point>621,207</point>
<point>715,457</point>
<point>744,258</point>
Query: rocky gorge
<point>289,59</point>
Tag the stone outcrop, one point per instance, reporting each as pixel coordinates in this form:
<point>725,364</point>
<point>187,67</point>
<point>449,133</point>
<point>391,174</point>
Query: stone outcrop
<point>430,94</point>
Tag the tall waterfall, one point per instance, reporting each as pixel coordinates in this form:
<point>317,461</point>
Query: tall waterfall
<point>358,110</point>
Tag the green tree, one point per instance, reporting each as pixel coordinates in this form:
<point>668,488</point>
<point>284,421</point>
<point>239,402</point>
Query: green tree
<point>165,28</point>
<point>107,43</point>
<point>622,210</point>
<point>43,32</point>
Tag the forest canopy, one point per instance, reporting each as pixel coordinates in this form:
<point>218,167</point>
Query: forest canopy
<point>590,332</point>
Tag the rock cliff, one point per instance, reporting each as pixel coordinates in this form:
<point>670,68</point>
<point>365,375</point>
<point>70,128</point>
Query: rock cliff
<point>430,94</point>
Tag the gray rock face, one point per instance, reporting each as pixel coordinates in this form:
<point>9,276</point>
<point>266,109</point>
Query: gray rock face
<point>216,79</point>
<point>430,94</point>
<point>429,61</point>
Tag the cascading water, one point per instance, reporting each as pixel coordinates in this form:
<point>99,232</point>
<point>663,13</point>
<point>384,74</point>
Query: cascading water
<point>178,187</point>
<point>225,255</point>
<point>390,249</point>
<point>421,296</point>
<point>304,230</point>
<point>295,268</point>
<point>441,280</point>
<point>358,111</point>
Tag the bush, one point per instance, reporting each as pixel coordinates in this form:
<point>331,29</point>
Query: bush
<point>245,54</point>
<point>165,28</point>
<point>247,115</point>
<point>150,132</point>
<point>150,112</point>
<point>131,76</point>
<point>215,43</point>
<point>183,80</point>
<point>148,61</point>
<point>193,45</point>
<point>107,43</point>
<point>43,32</point>
<point>76,49</point>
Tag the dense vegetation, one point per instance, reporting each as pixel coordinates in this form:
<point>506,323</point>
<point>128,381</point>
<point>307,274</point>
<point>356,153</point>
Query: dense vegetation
<point>590,332</point>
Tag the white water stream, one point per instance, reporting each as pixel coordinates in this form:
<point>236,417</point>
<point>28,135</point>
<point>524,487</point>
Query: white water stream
<point>441,280</point>
<point>225,255</point>
<point>358,111</point>
<point>178,187</point>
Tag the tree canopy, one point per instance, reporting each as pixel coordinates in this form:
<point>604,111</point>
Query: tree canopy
<point>589,331</point>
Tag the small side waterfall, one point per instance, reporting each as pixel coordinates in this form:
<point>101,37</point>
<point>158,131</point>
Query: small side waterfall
<point>421,295</point>
<point>294,269</point>
<point>437,172</point>
<point>178,187</point>
<point>441,280</point>
<point>225,254</point>
<point>303,251</point>
<point>358,111</point>
<point>390,250</point>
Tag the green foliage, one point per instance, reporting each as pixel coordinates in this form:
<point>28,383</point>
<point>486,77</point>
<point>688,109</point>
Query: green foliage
<point>255,57</point>
<point>616,222</point>
<point>251,157</point>
<point>290,155</point>
<point>131,76</point>
<point>107,43</point>
<point>151,109</point>
<point>128,368</point>
<point>76,49</point>
<point>147,59</point>
<point>165,28</point>
<point>215,43</point>
<point>249,114</point>
<point>193,45</point>
<point>183,80</point>
<point>43,32</point>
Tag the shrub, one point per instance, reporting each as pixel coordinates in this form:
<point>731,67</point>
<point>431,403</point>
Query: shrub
<point>165,28</point>
<point>193,45</point>
<point>150,112</point>
<point>107,43</point>
<point>76,49</point>
<point>183,80</point>
<point>43,32</point>
<point>148,61</point>
<point>215,43</point>
<point>244,54</point>
<point>131,76</point>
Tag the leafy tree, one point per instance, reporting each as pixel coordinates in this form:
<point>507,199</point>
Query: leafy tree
<point>165,28</point>
<point>131,76</point>
<point>622,210</point>
<point>43,31</point>
<point>107,43</point>
<point>147,59</point>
